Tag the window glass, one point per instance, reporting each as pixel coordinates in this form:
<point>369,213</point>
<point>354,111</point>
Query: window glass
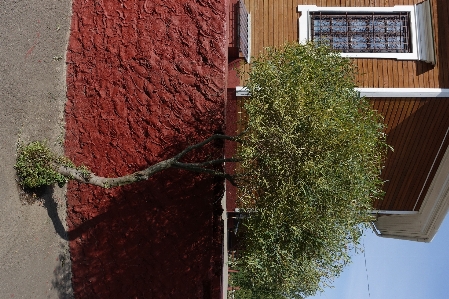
<point>363,32</point>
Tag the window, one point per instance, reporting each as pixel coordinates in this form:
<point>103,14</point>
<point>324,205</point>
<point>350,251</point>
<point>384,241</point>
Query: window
<point>402,32</point>
<point>244,31</point>
<point>362,32</point>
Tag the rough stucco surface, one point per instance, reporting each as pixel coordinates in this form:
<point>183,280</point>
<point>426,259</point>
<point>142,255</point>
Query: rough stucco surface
<point>145,79</point>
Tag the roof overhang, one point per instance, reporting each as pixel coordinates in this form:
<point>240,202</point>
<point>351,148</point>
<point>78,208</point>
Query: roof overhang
<point>424,225</point>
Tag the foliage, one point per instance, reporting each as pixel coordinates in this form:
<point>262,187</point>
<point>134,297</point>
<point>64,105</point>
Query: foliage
<point>311,159</point>
<point>35,165</point>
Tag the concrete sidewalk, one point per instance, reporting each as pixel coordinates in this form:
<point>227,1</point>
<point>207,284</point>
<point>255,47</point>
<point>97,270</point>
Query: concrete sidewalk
<point>34,260</point>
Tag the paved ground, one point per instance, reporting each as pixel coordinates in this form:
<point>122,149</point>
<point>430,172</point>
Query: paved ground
<point>34,260</point>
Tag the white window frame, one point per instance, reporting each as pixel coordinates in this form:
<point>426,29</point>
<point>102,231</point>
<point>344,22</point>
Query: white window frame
<point>422,48</point>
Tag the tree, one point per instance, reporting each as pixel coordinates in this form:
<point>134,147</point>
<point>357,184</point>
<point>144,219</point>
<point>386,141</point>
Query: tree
<point>311,159</point>
<point>308,172</point>
<point>37,166</point>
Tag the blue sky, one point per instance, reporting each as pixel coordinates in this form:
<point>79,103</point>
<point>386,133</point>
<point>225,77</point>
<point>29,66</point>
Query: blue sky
<point>397,269</point>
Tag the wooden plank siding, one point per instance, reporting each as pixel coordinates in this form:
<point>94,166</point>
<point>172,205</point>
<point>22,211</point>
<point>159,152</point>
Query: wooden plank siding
<point>275,22</point>
<point>416,127</point>
<point>416,130</point>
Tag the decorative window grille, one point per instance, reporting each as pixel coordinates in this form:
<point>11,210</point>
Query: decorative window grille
<point>244,31</point>
<point>363,32</point>
<point>403,32</point>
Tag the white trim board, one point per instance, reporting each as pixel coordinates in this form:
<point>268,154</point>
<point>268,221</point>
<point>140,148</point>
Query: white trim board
<point>225,249</point>
<point>404,92</point>
<point>242,91</point>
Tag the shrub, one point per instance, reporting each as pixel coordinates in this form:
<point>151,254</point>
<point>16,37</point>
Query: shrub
<point>36,166</point>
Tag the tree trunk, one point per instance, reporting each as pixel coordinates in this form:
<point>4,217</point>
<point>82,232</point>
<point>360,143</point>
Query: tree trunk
<point>88,177</point>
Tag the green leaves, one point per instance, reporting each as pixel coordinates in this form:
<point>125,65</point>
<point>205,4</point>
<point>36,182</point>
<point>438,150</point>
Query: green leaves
<point>312,156</point>
<point>35,166</point>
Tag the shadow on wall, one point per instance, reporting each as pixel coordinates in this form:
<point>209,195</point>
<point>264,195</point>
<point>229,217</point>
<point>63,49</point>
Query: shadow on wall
<point>62,281</point>
<point>415,132</point>
<point>155,239</point>
<point>423,67</point>
<point>144,80</point>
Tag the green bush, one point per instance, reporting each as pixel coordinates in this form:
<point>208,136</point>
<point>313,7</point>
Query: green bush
<point>36,166</point>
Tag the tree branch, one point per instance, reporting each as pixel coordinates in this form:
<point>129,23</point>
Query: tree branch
<point>192,167</point>
<point>88,177</point>
<point>203,143</point>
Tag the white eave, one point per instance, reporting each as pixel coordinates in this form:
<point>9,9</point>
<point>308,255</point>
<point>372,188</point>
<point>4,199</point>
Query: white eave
<point>424,225</point>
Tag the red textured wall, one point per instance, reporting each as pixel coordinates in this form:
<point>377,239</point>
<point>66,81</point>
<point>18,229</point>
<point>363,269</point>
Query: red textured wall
<point>145,79</point>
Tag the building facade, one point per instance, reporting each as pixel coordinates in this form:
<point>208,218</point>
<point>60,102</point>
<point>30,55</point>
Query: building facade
<point>400,49</point>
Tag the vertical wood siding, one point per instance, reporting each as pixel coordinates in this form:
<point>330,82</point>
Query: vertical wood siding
<point>416,126</point>
<point>275,22</point>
